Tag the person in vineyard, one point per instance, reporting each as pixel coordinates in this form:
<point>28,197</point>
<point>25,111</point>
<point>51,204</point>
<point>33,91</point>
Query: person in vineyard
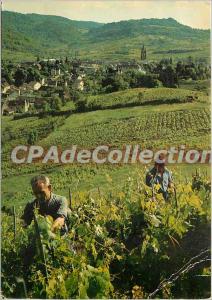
<point>160,175</point>
<point>48,204</point>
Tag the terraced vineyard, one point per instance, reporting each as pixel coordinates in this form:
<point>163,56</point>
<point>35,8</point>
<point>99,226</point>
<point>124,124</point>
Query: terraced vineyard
<point>151,129</point>
<point>149,126</point>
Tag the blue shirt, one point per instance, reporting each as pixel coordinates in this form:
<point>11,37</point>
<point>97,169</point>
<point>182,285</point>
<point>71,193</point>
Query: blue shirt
<point>164,180</point>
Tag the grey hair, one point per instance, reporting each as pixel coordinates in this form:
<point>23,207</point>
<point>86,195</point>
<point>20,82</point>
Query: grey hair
<point>41,178</point>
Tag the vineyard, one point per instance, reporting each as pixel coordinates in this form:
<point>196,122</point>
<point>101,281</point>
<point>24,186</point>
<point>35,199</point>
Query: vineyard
<point>124,242</point>
<point>121,244</point>
<point>17,131</point>
<point>149,126</point>
<point>144,96</point>
<point>150,129</point>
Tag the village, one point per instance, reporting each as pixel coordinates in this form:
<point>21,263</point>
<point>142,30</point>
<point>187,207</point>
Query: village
<point>49,84</point>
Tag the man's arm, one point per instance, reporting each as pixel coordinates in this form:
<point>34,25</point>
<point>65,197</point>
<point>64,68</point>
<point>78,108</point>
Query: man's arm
<point>170,183</point>
<point>27,216</point>
<point>61,215</point>
<point>58,223</point>
<point>149,177</point>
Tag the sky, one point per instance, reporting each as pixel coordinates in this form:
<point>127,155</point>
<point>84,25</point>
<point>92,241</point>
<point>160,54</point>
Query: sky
<point>194,13</point>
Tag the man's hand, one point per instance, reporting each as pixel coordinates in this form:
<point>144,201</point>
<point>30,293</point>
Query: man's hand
<point>171,187</point>
<point>23,224</point>
<point>58,223</point>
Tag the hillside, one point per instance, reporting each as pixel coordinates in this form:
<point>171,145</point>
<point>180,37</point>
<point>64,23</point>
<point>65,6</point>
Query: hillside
<point>116,219</point>
<point>35,34</point>
<point>169,27</point>
<point>151,126</point>
<point>142,96</point>
<point>24,36</point>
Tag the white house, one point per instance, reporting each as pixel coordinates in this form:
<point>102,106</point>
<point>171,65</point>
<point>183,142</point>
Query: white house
<point>79,83</point>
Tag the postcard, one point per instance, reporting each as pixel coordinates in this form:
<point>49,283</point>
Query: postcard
<point>106,149</point>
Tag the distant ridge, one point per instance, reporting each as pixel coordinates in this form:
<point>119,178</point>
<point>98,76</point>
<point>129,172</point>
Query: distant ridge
<point>29,35</point>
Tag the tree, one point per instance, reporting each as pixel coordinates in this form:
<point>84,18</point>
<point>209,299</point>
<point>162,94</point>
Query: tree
<point>45,106</point>
<point>180,69</point>
<point>75,94</point>
<point>56,103</point>
<point>146,81</point>
<point>165,62</point>
<point>20,76</point>
<point>131,78</point>
<point>190,72</point>
<point>190,60</point>
<point>7,75</point>
<point>114,82</point>
<point>169,77</point>
<point>138,79</point>
<point>33,75</point>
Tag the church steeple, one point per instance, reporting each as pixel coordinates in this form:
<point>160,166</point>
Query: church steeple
<point>143,53</point>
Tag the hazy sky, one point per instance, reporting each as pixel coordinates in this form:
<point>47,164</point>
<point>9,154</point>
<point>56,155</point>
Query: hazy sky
<point>195,13</point>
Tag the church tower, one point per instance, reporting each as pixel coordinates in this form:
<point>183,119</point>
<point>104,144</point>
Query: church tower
<point>143,53</point>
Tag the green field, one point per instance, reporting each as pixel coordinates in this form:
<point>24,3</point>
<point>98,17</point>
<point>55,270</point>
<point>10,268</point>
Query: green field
<point>144,96</point>
<point>16,190</point>
<point>118,226</point>
<point>151,126</point>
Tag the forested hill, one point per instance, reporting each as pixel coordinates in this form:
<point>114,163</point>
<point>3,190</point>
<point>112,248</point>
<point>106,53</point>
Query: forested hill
<point>24,36</point>
<point>168,27</point>
<point>41,29</point>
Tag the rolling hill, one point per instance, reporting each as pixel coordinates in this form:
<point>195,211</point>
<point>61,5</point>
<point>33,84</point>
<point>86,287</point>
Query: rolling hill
<point>24,36</point>
<point>150,126</point>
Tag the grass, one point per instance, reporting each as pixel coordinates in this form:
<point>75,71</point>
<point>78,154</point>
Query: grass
<point>16,190</point>
<point>148,126</point>
<point>143,96</point>
<point>168,125</point>
<point>199,85</point>
<point>151,126</point>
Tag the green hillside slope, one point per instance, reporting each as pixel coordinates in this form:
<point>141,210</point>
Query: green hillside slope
<point>26,36</point>
<point>151,127</point>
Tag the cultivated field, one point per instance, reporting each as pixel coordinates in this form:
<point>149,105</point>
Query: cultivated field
<point>119,228</point>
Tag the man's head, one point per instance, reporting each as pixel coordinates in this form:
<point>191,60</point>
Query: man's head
<point>41,187</point>
<point>160,162</point>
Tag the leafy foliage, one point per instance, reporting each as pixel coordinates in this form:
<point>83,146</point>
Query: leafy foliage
<point>112,235</point>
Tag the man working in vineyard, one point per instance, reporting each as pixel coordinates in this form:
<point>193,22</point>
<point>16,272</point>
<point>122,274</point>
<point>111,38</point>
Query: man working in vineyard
<point>160,175</point>
<point>47,203</point>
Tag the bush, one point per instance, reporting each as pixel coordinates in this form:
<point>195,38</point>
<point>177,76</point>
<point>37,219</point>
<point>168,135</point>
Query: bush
<point>148,81</point>
<point>81,105</point>
<point>56,103</point>
<point>32,137</point>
